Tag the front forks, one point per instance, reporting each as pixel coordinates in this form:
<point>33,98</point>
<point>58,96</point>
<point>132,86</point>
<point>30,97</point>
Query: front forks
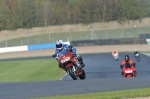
<point>74,69</point>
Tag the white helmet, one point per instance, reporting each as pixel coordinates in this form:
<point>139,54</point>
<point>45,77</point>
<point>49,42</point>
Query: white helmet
<point>59,44</point>
<point>135,50</point>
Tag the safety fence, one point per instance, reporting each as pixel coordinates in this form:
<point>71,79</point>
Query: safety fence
<point>77,43</point>
<point>93,31</point>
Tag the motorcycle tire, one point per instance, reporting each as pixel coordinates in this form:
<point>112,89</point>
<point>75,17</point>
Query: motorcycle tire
<point>71,73</point>
<point>83,75</point>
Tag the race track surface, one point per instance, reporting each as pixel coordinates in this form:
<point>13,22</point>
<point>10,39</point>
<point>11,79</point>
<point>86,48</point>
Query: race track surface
<point>103,74</point>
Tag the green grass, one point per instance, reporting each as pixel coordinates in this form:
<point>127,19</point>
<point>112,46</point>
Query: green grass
<point>30,70</point>
<point>100,34</point>
<point>144,92</point>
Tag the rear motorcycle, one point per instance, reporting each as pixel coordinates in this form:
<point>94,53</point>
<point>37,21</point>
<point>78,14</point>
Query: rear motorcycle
<point>67,61</point>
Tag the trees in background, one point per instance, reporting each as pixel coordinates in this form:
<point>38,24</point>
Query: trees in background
<point>39,13</point>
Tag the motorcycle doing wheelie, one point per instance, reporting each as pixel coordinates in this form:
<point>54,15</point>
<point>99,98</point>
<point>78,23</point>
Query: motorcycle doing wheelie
<point>128,70</point>
<point>67,61</point>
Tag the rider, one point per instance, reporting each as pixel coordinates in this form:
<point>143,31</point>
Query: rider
<point>136,52</point>
<point>114,52</point>
<point>127,59</point>
<point>60,46</point>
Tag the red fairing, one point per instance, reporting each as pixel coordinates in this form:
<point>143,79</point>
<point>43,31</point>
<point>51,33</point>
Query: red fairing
<point>67,63</point>
<point>128,72</point>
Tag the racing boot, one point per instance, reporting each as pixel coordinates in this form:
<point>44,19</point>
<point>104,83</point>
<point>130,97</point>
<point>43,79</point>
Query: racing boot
<point>80,59</point>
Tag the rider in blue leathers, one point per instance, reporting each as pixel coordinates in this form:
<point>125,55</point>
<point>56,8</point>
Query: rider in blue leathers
<point>60,46</point>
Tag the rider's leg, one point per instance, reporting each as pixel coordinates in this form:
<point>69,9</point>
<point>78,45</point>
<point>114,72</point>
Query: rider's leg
<point>135,73</point>
<point>122,73</point>
<point>78,65</point>
<point>80,59</point>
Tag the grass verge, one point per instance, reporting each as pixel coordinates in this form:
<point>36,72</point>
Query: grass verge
<point>30,70</point>
<point>144,92</point>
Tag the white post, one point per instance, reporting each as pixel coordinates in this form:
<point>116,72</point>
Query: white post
<point>134,30</point>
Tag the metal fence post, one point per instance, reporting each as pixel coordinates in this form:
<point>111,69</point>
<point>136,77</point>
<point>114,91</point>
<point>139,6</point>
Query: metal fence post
<point>28,38</point>
<point>122,27</point>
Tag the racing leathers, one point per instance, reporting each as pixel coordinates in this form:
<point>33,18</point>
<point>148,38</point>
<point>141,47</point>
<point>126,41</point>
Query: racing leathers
<point>137,54</point>
<point>114,52</point>
<point>72,49</point>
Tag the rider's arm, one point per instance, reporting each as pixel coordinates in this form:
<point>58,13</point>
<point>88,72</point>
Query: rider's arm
<point>72,49</point>
<point>56,54</point>
<point>122,64</point>
<point>131,61</point>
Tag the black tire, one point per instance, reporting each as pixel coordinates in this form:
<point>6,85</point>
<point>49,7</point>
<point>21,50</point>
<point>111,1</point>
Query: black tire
<point>83,75</point>
<point>71,73</point>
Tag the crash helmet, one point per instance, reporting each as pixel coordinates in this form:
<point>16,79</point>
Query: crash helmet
<point>59,44</point>
<point>135,50</point>
<point>114,51</point>
<point>127,58</point>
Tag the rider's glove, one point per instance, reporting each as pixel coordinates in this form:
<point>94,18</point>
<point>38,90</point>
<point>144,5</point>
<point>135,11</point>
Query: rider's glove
<point>54,55</point>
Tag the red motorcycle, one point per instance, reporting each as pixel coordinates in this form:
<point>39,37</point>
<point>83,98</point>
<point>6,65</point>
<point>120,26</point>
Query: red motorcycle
<point>67,61</point>
<point>128,70</point>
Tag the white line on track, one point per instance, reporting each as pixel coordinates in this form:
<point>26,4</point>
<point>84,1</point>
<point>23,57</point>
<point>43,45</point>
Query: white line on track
<point>147,54</point>
<point>63,76</point>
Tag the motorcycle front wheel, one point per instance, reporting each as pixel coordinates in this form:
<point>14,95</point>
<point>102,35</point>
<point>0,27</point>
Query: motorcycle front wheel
<point>71,73</point>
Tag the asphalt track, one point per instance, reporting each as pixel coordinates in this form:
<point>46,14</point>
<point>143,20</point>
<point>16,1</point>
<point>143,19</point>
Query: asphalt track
<point>103,74</point>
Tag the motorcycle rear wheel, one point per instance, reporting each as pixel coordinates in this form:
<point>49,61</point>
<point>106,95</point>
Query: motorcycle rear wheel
<point>83,75</point>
